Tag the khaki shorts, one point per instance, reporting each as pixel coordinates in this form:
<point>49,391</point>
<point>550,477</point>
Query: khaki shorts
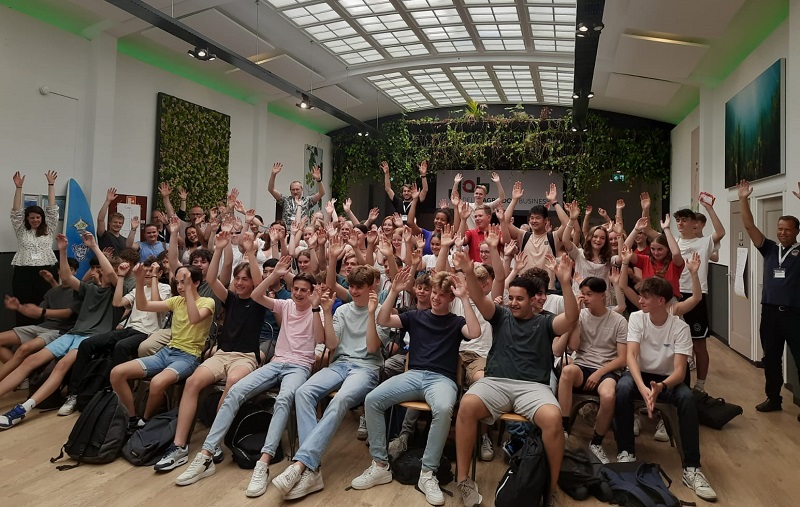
<point>155,342</point>
<point>501,395</point>
<point>221,363</point>
<point>473,363</point>
<point>28,333</point>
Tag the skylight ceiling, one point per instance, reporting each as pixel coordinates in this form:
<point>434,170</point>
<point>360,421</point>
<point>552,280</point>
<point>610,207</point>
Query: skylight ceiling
<point>528,46</point>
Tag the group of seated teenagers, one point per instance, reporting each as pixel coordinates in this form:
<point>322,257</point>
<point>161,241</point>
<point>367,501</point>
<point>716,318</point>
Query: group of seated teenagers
<point>385,299</point>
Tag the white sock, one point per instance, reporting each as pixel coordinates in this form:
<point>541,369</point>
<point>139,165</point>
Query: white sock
<point>700,385</point>
<point>29,405</point>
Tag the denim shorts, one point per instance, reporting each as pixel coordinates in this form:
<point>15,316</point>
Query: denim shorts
<point>168,358</point>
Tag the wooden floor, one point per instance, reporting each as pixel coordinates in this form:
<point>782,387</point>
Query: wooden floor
<point>752,462</point>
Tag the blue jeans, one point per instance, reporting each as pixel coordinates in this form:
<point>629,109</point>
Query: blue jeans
<point>437,390</point>
<point>289,376</point>
<point>353,382</point>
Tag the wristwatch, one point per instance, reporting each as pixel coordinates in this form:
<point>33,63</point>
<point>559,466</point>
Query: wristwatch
<point>316,310</point>
<point>663,386</point>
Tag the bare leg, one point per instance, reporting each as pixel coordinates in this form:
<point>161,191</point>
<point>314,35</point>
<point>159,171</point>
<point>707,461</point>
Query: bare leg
<point>22,372</point>
<point>470,411</point>
<point>607,392</point>
<point>24,350</point>
<point>55,379</point>
<point>158,386</point>
<point>571,377</point>
<point>119,382</point>
<point>701,358</point>
<point>200,379</point>
<point>548,418</point>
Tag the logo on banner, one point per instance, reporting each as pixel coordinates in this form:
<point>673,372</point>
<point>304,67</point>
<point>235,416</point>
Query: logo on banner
<point>468,186</point>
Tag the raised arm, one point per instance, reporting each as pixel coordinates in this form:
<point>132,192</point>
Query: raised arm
<point>510,230</point>
<point>719,229</point>
<point>472,329</point>
<point>683,307</point>
<point>423,175</point>
<point>630,294</point>
<point>565,321</point>
<point>111,194</point>
<point>587,216</point>
<point>331,340</point>
<point>387,180</point>
<point>411,220</point>
<point>566,238</point>
<point>677,258</point>
<point>501,193</point>
<point>19,180</point>
<point>317,174</point>
<point>172,248</point>
<point>744,190</point>
<point>166,190</point>
<point>131,242</point>
<point>259,294</point>
<point>196,315</point>
<point>122,271</point>
<point>349,212</point>
<point>51,187</point>
<point>374,343</point>
<point>385,316</point>
<point>276,168</point>
<point>335,249</point>
<point>493,240</point>
<point>64,273</point>
<point>482,302</point>
<point>142,304</point>
<point>105,265</point>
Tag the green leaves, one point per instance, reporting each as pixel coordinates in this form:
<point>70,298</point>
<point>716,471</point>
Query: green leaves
<point>193,148</point>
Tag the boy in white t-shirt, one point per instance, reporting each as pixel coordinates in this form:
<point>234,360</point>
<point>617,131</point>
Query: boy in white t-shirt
<point>659,346</point>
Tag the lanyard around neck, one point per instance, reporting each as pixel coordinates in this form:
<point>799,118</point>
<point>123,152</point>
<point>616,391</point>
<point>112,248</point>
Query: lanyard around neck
<point>782,258</point>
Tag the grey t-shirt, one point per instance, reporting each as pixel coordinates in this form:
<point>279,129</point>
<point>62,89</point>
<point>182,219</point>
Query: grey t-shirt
<point>97,313</point>
<point>599,338</point>
<point>521,349</point>
<point>61,298</point>
<point>350,326</point>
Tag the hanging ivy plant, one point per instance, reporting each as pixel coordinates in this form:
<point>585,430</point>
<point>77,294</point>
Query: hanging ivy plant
<point>520,142</point>
<point>192,150</point>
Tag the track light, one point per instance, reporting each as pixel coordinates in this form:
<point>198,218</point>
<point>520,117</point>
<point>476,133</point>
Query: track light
<point>202,54</point>
<point>582,27</point>
<point>590,95</point>
<point>304,103</point>
<point>598,27</point>
<point>574,129</point>
<point>576,95</point>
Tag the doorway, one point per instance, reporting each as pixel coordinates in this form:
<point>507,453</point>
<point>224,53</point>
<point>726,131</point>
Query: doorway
<point>740,313</point>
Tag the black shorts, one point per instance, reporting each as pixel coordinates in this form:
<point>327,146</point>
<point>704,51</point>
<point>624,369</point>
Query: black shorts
<point>587,372</point>
<point>697,318</point>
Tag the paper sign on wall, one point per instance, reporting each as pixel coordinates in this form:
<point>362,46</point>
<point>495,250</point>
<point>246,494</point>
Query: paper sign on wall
<point>741,264</point>
<point>128,211</point>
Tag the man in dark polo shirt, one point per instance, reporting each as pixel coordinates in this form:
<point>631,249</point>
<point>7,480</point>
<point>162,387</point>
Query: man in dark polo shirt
<point>780,301</point>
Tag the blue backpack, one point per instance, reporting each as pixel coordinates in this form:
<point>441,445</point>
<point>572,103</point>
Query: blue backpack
<point>640,485</point>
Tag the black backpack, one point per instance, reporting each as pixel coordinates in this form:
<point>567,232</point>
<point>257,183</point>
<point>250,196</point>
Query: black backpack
<point>99,433</point>
<point>95,379</point>
<point>527,480</point>
<point>407,467</point>
<point>640,485</point>
<point>149,443</point>
<point>247,433</point>
<point>714,412</point>
<point>581,475</point>
<point>37,379</point>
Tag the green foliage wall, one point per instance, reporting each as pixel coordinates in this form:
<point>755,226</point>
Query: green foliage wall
<point>519,142</point>
<point>192,151</point>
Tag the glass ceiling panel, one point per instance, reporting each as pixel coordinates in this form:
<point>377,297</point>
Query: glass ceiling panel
<point>360,32</point>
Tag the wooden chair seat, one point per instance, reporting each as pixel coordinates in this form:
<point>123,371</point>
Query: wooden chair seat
<point>512,417</point>
<point>416,405</point>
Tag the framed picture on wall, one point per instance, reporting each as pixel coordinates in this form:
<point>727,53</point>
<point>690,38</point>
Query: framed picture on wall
<point>312,156</point>
<point>61,202</point>
<point>30,200</point>
<point>755,133</point>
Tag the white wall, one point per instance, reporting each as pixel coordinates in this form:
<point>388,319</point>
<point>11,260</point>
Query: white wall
<point>103,132</point>
<point>710,117</point>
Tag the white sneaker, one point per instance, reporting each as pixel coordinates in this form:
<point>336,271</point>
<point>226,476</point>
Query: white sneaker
<point>398,446</point>
<point>173,458</point>
<point>625,457</point>
<point>598,451</point>
<point>362,433</point>
<point>694,479</point>
<point>69,406</point>
<point>637,425</point>
<point>429,485</point>
<point>661,432</point>
<point>202,466</point>
<point>487,449</point>
<point>310,482</point>
<point>287,479</point>
<point>372,476</point>
<point>259,480</point>
<point>469,493</point>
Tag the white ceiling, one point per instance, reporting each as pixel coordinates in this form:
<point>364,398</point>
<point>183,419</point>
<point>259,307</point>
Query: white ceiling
<point>384,57</point>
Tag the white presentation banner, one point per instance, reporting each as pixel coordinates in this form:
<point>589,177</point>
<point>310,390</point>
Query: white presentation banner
<point>535,183</point>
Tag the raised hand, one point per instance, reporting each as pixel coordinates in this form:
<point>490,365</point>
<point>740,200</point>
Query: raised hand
<point>493,236</point>
<point>588,211</point>
<point>165,189</point>
<point>665,223</point>
<point>625,254</point>
<point>374,213</point>
<point>642,224</point>
<point>397,220</point>
<point>273,234</point>
<point>455,199</point>
<point>46,275</point>
<point>419,240</point>
<point>552,194</point>
<point>406,234</point>
<point>183,193</point>
<point>550,262</point>
<point>227,224</point>
<point>153,270</point>
<point>135,222</point>
<point>744,189</point>
<point>222,239</point>
<point>619,228</point>
<point>283,266</point>
<point>315,296</point>
<point>517,191</point>
<point>329,207</point>
<point>19,179</point>
<point>326,301</point>
<point>11,303</point>
<point>603,213</point>
<point>693,263</point>
<point>464,211</point>
<point>139,272</point>
<point>459,241</point>
<point>620,203</point>
<point>447,236</point>
<point>51,177</point>
<point>509,248</point>
<point>249,216</point>
<point>88,239</point>
<point>613,277</point>
<point>346,205</point>
<point>495,177</point>
<point>644,200</point>
<point>385,247</point>
<point>335,248</point>
<point>247,241</point>
<point>111,194</point>
<point>459,286</point>
<point>574,210</point>
<point>313,240</point>
<point>401,279</point>
<point>372,304</point>
<point>797,193</point>
<point>520,262</point>
<point>174,225</point>
<point>462,261</point>
<point>500,212</point>
<point>384,167</point>
<point>443,204</point>
<point>372,237</point>
<point>564,269</point>
<point>316,173</point>
<point>457,178</point>
<point>123,269</point>
<point>414,191</point>
<point>276,168</point>
<point>423,168</point>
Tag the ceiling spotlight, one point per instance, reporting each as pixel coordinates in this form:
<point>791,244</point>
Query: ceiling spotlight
<point>576,95</point>
<point>304,103</point>
<point>590,95</point>
<point>574,129</point>
<point>360,134</point>
<point>598,27</point>
<point>366,134</point>
<point>585,129</point>
<point>202,54</point>
<point>583,28</point>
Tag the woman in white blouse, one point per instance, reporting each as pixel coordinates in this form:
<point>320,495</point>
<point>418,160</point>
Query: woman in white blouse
<point>35,229</point>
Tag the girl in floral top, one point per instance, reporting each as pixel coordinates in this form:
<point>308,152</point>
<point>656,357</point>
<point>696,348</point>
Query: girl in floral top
<point>35,229</point>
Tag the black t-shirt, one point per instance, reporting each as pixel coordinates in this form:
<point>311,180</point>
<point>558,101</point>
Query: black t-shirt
<point>242,329</point>
<point>434,341</point>
<point>781,291</point>
<point>521,349</point>
<point>401,206</point>
<point>109,240</point>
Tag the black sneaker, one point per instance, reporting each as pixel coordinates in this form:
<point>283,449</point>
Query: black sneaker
<point>770,405</point>
<point>218,455</point>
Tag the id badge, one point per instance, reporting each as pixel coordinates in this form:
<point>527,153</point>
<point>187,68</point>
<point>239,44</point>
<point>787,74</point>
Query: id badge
<point>404,217</point>
<point>779,273</point>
